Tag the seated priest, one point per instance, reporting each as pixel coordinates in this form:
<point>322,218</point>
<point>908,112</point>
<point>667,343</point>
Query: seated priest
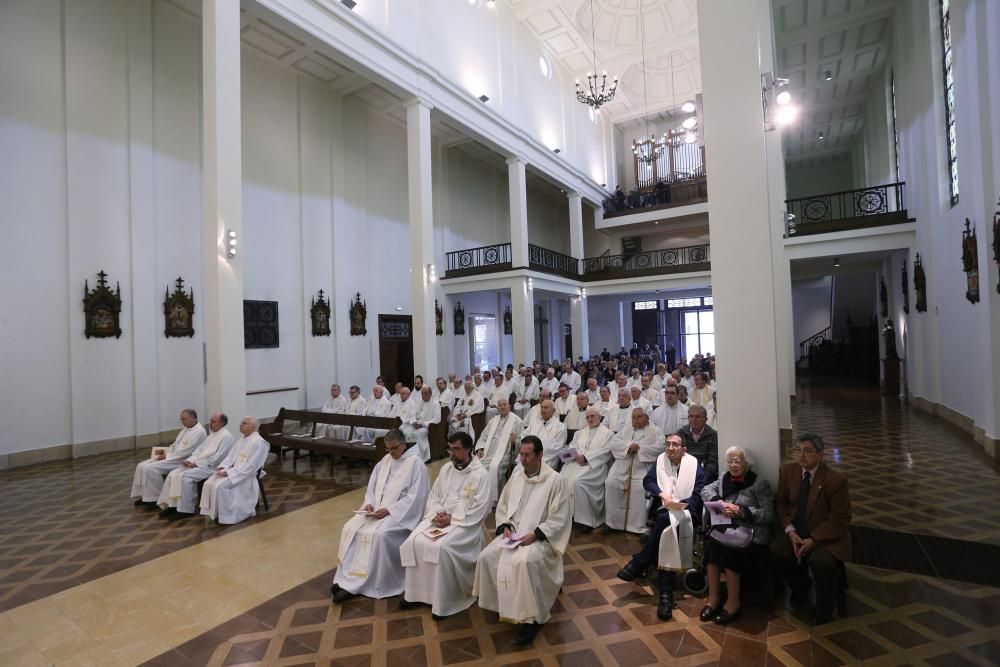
<point>180,491</point>
<point>585,474</point>
<point>147,481</point>
<point>535,413</point>
<point>497,390</point>
<point>336,404</point>
<point>604,404</point>
<point>423,413</point>
<point>230,495</point>
<point>519,574</point>
<point>564,402</point>
<point>524,393</point>
<point>445,397</point>
<point>577,417</point>
<point>467,403</point>
<point>379,406</point>
<point>672,415</point>
<point>593,391</point>
<point>494,445</point>
<point>638,401</point>
<point>635,450</point>
<point>355,406</point>
<point>370,541</point>
<point>620,413</point>
<point>439,556</point>
<point>550,431</point>
<point>549,383</point>
<point>677,480</point>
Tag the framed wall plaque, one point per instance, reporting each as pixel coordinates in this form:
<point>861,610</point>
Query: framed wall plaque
<point>459,319</point>
<point>260,324</point>
<point>906,289</point>
<point>508,322</point>
<point>920,284</point>
<point>319,315</point>
<point>102,309</point>
<point>996,242</point>
<point>178,312</point>
<point>438,319</point>
<point>359,312</point>
<point>970,262</point>
<point>883,297</point>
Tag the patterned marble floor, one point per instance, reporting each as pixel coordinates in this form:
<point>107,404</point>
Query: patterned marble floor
<point>68,522</point>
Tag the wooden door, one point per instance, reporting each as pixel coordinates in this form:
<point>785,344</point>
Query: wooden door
<point>395,349</point>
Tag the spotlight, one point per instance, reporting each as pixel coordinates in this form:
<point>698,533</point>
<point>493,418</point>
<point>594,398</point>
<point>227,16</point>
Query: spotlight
<point>688,107</point>
<point>783,98</point>
<point>820,135</point>
<point>556,150</point>
<point>786,115</point>
<point>828,75</point>
<point>230,244</point>
<point>690,137</point>
<point>350,4</point>
<point>836,261</point>
<point>689,123</point>
<point>484,99</point>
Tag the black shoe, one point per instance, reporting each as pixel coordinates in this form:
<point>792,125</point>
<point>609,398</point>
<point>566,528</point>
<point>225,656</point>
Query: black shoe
<point>631,571</point>
<point>725,616</point>
<point>799,598</point>
<point>167,511</point>
<point>406,604</point>
<point>643,537</point>
<point>709,613</point>
<point>177,516</point>
<point>138,502</point>
<point>526,633</point>
<point>152,505</point>
<point>607,530</point>
<point>585,530</point>
<point>342,596</point>
<point>820,618</point>
<point>665,609</point>
<point>334,588</point>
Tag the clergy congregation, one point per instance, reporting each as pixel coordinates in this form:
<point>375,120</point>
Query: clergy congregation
<point>499,332</point>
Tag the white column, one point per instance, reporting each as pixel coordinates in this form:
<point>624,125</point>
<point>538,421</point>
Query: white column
<point>738,210</point>
<point>781,275</point>
<point>575,225</point>
<point>418,158</point>
<point>222,208</point>
<point>580,326</point>
<point>517,188</point>
<point>522,313</point>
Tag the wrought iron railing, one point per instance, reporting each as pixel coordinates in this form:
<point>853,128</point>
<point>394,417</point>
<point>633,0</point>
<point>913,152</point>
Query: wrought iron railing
<point>550,261</point>
<point>485,259</point>
<point>668,260</point>
<point>862,203</point>
<point>816,340</point>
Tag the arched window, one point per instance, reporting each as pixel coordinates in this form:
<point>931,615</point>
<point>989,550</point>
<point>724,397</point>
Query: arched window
<point>949,100</point>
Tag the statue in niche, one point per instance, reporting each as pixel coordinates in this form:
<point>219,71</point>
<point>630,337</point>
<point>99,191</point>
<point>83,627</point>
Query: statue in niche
<point>883,297</point>
<point>906,289</point>
<point>178,312</point>
<point>459,319</point>
<point>508,323</point>
<point>319,314</point>
<point>102,308</point>
<point>996,241</point>
<point>889,335</point>
<point>438,319</point>
<point>920,284</point>
<point>359,312</point>
<point>970,262</point>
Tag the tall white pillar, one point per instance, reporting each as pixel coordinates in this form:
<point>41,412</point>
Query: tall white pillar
<point>738,211</point>
<point>781,275</point>
<point>222,210</point>
<point>517,188</point>
<point>580,327</point>
<point>418,158</point>
<point>522,313</point>
<point>575,224</point>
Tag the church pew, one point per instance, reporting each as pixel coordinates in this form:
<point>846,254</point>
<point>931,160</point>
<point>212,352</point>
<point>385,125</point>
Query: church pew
<point>437,436</point>
<point>277,438</point>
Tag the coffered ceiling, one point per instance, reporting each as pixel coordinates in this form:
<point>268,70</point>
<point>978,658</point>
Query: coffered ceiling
<point>673,71</point>
<point>850,39</point>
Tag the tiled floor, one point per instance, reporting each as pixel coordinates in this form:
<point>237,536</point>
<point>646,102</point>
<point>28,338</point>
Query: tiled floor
<point>68,522</point>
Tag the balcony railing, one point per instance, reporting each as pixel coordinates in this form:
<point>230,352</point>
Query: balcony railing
<point>851,209</point>
<point>550,261</point>
<point>473,261</point>
<point>651,262</point>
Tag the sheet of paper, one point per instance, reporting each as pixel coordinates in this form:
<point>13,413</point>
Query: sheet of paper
<point>715,514</point>
<point>436,533</point>
<point>364,512</point>
<point>512,543</point>
<point>568,455</point>
<point>676,506</point>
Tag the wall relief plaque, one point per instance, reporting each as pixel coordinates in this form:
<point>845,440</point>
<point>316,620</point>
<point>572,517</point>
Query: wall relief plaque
<point>178,312</point>
<point>970,262</point>
<point>920,284</point>
<point>459,319</point>
<point>319,315</point>
<point>508,322</point>
<point>359,312</point>
<point>102,309</point>
<point>438,318</point>
<point>260,324</point>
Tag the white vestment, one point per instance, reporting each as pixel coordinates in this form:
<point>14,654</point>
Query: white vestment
<point>181,486</point>
<point>415,424</point>
<point>670,419</point>
<point>446,398</point>
<point>633,381</point>
<point>369,547</point>
<point>233,498</point>
<point>659,382</point>
<point>571,380</point>
<point>646,406</point>
<point>466,406</point>
<point>593,396</point>
<point>701,396</point>
<point>377,407</point>
<point>549,384</point>
<point>494,395</point>
<point>147,481</point>
<point>534,415</point>
<point>354,407</point>
<point>585,483</point>
<point>521,584</point>
<point>336,406</point>
<point>564,405</point>
<point>623,488</point>
<point>618,417</point>
<point>677,539</point>
<point>576,419</point>
<point>689,383</point>
<point>553,436</point>
<point>495,445</point>
<point>441,572</point>
<point>654,397</point>
<point>604,407</point>
<point>524,394</point>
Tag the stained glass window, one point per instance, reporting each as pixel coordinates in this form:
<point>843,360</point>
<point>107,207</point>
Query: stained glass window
<point>949,100</point>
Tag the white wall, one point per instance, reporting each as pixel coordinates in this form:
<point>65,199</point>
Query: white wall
<point>854,295</point>
<point>811,308</point>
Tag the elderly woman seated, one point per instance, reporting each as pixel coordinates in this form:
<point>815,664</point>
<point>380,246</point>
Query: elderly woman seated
<point>746,501</point>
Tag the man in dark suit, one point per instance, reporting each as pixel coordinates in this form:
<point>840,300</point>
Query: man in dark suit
<point>814,516</point>
<point>702,441</point>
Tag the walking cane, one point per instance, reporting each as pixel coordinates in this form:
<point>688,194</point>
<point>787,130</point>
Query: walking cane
<point>628,487</point>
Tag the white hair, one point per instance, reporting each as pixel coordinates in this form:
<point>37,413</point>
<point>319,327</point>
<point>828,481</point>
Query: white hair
<point>745,453</point>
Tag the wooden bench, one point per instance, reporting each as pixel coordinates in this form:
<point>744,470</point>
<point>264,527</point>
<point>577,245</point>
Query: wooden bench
<point>276,436</point>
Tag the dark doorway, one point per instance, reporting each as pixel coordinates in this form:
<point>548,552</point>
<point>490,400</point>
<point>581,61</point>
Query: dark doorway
<point>568,337</point>
<point>395,349</point>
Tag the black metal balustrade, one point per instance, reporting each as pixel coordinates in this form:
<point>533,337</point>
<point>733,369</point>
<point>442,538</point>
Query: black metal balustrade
<point>815,341</point>
<point>850,209</point>
<point>651,262</point>
<point>472,261</point>
<point>550,261</point>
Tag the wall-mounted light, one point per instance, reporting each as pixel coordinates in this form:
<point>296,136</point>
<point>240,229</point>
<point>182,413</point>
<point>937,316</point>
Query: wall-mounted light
<point>231,244</point>
<point>778,107</point>
<point>604,185</point>
<point>531,284</point>
<point>790,227</point>
<point>583,292</point>
<point>399,309</point>
<point>556,150</point>
<point>828,75</point>
<point>820,135</point>
<point>689,123</point>
<point>431,273</point>
<point>350,4</point>
<point>490,3</point>
<point>836,261</point>
<point>484,98</point>
<point>688,107</point>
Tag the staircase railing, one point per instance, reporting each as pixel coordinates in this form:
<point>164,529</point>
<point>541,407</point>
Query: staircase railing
<point>816,340</point>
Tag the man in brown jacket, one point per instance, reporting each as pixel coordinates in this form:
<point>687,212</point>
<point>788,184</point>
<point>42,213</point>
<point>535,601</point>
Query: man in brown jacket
<point>814,515</point>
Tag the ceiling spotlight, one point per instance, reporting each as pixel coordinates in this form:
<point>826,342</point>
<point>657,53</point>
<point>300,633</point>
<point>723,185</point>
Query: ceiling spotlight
<point>836,261</point>
<point>786,115</point>
<point>821,136</point>
<point>783,98</point>
<point>688,107</point>
<point>689,123</point>
<point>828,75</point>
<point>350,4</point>
<point>484,98</point>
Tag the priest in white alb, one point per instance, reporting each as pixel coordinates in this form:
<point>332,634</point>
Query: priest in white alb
<point>672,415</point>
<point>379,406</point>
<point>392,508</point>
<point>498,389</point>
<point>550,431</point>
<point>519,574</point>
<point>564,402</point>
<point>355,406</point>
<point>535,413</point>
<point>230,495</point>
<point>337,404</point>
<point>439,556</point>
<point>525,392</point>
<point>586,473</point>
<point>494,446</point>
<point>423,412</point>
<point>147,481</point>
<point>180,491</point>
<point>635,450</point>
<point>576,418</point>
<point>468,402</point>
<point>675,482</point>
<point>620,412</point>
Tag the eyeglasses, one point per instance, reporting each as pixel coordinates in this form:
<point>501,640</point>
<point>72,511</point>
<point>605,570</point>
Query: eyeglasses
<point>736,462</point>
<point>803,450</point>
